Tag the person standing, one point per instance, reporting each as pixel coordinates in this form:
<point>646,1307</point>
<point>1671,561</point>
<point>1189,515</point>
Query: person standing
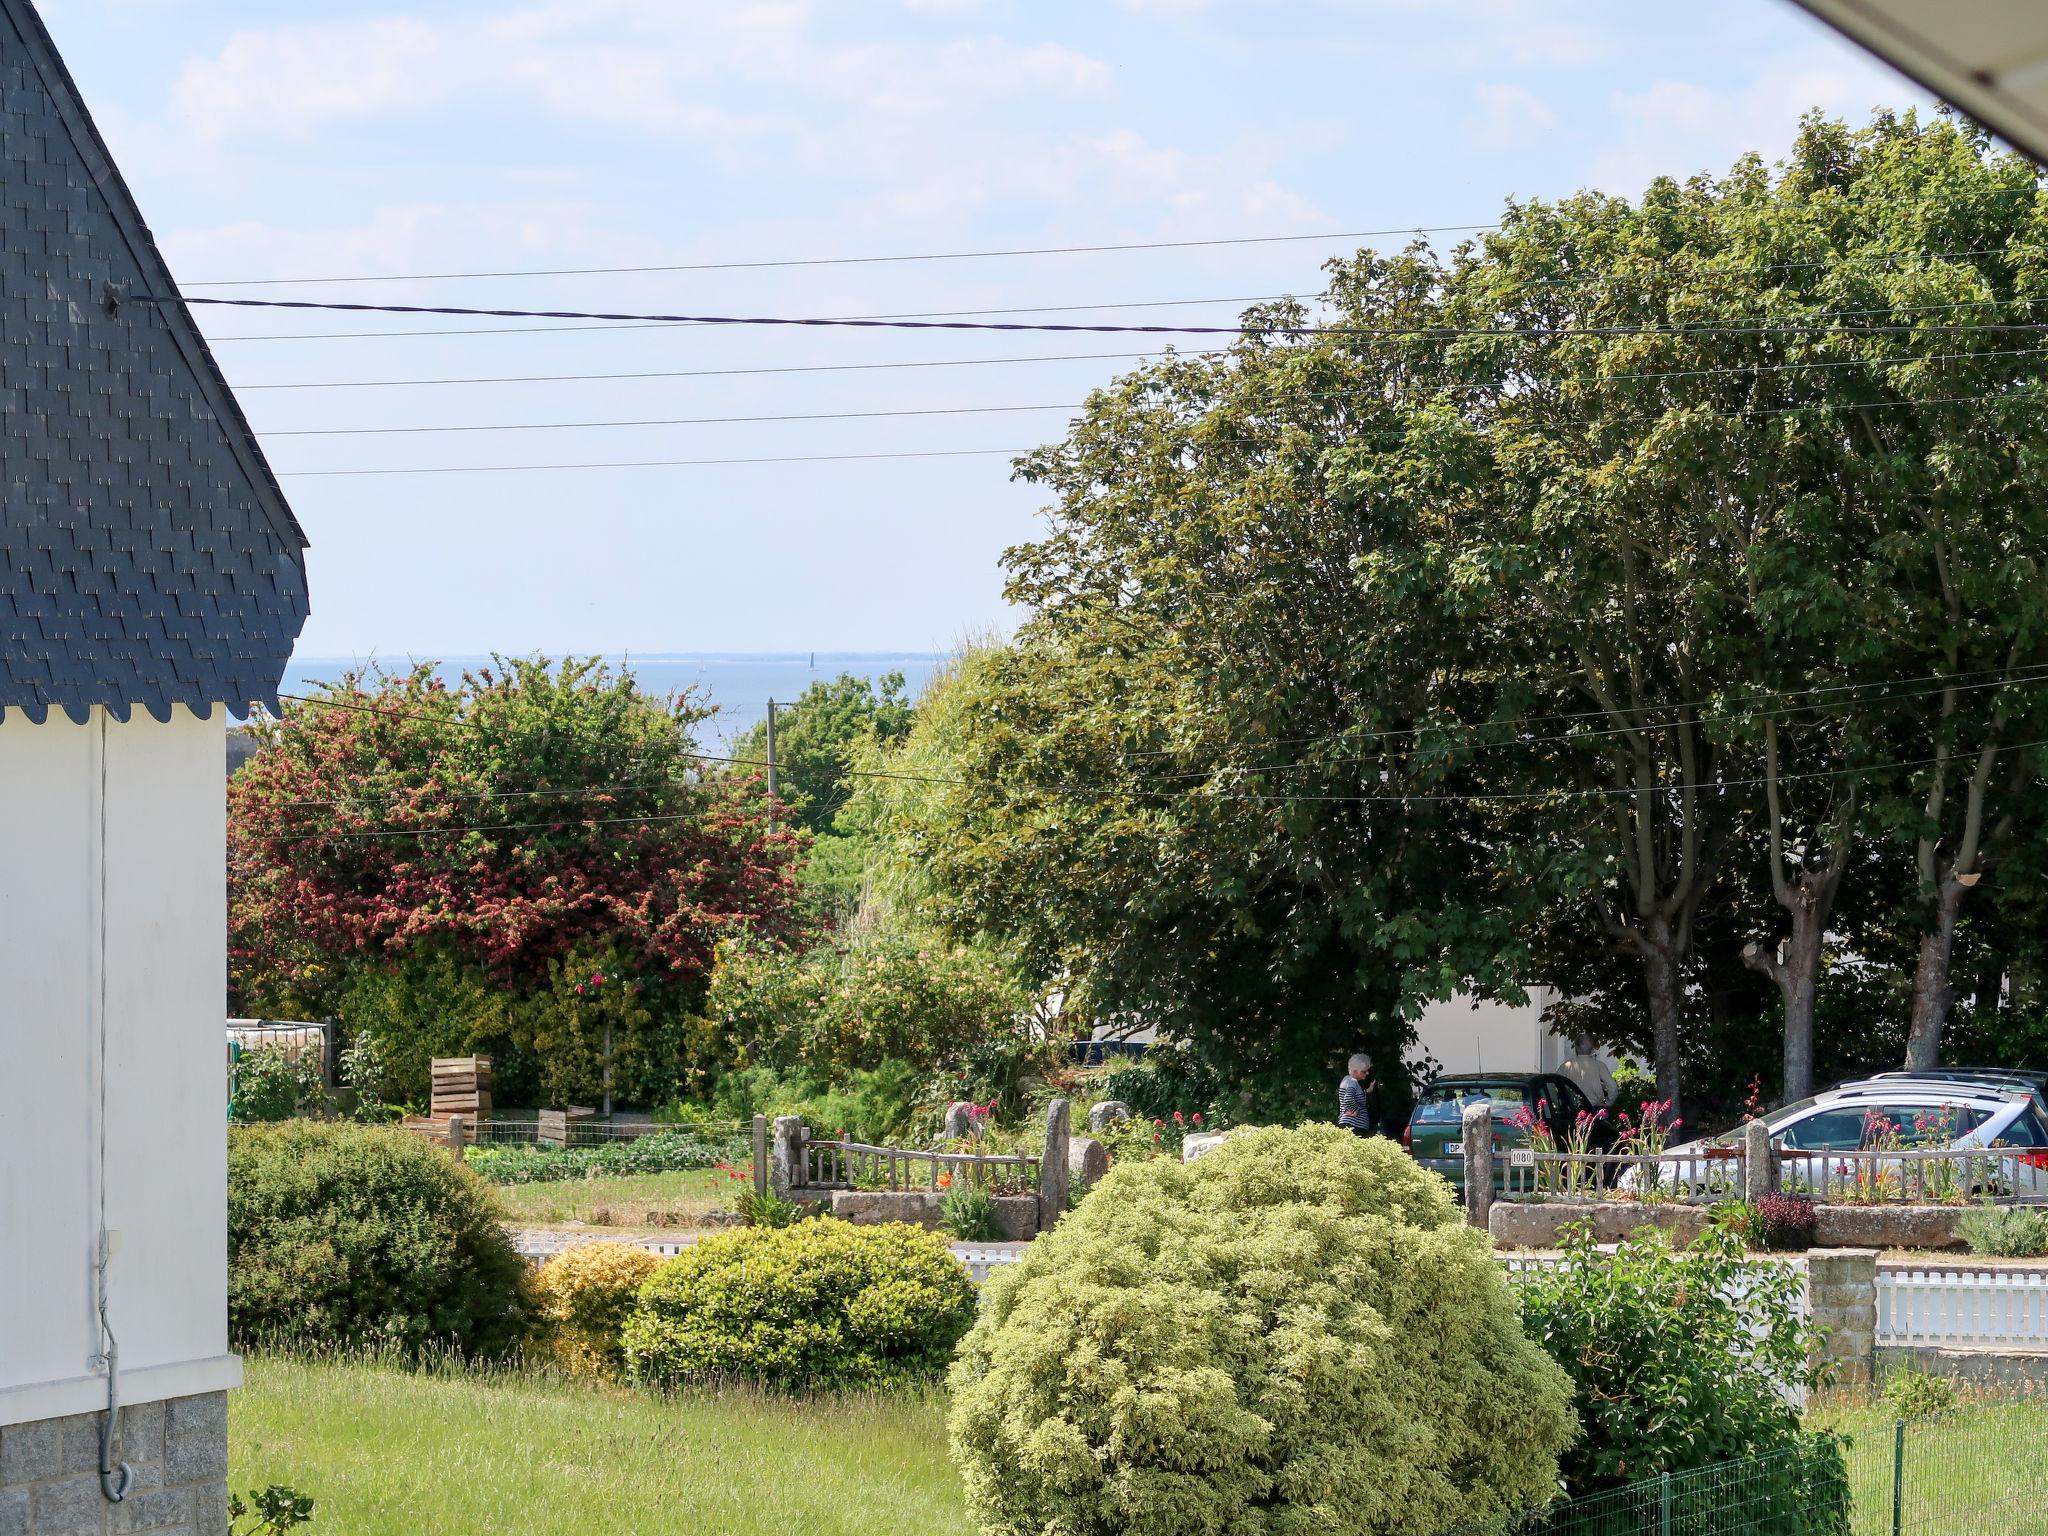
<point>1355,1110</point>
<point>1585,1068</point>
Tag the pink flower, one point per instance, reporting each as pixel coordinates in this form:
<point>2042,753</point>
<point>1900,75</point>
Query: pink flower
<point>1198,1118</point>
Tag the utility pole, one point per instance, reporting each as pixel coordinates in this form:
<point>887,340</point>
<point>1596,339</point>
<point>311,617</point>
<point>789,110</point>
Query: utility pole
<point>771,746</point>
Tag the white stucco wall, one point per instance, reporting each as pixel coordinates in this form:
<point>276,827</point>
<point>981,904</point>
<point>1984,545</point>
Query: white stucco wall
<point>1466,1034</point>
<point>155,1155</point>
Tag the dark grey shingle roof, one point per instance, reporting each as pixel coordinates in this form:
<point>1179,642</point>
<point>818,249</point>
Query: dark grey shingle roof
<point>147,556</point>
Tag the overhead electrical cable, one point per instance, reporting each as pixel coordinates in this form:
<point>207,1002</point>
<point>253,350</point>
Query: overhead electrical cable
<point>1729,371</point>
<point>1117,791</point>
<point>1366,394</point>
<point>611,788</point>
<point>854,261</point>
<point>1997,678</point>
<point>1802,325</point>
<point>2015,397</point>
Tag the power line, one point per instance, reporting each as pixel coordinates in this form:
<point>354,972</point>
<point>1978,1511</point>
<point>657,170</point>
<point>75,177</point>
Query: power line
<point>1744,328</point>
<point>785,458</point>
<point>669,421</point>
<point>1739,370</point>
<point>1998,679</point>
<point>1362,393</point>
<point>1124,792</point>
<point>2015,397</point>
<point>714,373</point>
<point>853,261</point>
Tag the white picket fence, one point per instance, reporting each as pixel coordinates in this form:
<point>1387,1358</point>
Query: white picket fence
<point>1958,1305</point>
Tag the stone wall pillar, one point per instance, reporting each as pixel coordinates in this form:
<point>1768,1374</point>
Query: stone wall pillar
<point>1476,1128</point>
<point>1841,1294</point>
<point>786,1162</point>
<point>178,1450</point>
<point>1052,1167</point>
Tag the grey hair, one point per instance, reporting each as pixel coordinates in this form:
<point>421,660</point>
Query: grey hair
<point>1360,1060</point>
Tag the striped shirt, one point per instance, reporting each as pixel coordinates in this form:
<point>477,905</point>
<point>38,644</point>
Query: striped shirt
<point>1354,1105</point>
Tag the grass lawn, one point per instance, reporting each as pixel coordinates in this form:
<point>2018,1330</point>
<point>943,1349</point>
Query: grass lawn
<point>624,1200</point>
<point>1984,1468</point>
<point>384,1452</point>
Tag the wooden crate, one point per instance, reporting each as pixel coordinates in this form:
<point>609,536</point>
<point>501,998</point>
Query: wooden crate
<point>462,1086</point>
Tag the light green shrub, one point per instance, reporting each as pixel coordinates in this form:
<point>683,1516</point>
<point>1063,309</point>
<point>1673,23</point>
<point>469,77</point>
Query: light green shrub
<point>2006,1231</point>
<point>1296,1333</point>
<point>818,1304</point>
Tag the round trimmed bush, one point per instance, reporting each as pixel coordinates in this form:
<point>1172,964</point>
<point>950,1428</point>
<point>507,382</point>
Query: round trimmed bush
<point>347,1236</point>
<point>820,1304</point>
<point>586,1293</point>
<point>1295,1333</point>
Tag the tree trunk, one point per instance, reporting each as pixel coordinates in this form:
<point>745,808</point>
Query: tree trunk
<point>1661,978</point>
<point>1933,992</point>
<point>1796,970</point>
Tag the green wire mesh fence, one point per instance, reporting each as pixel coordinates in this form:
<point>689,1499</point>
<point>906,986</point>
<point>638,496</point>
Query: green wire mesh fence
<point>1983,1470</point>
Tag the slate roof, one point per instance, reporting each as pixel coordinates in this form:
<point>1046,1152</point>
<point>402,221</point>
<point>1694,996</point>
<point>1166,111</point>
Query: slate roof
<point>147,556</point>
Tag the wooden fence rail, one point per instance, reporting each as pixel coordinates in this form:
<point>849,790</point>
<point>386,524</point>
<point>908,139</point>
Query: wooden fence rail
<point>839,1163</point>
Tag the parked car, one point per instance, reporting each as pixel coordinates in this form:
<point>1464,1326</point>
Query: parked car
<point>1435,1133</point>
<point>1967,1111</point>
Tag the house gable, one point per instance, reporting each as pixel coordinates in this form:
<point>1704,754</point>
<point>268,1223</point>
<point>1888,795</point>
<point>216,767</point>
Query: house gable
<point>147,555</point>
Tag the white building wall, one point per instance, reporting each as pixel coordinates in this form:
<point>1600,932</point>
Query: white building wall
<point>1466,1034</point>
<point>139,1129</point>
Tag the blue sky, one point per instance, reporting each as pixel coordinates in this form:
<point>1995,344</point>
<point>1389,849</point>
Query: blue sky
<point>358,139</point>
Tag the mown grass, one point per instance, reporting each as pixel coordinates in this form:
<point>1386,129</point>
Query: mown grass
<point>652,1200</point>
<point>1982,1468</point>
<point>388,1452</point>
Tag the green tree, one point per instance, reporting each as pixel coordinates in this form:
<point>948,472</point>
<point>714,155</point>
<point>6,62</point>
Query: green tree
<point>455,864</point>
<point>1567,583</point>
<point>817,738</point>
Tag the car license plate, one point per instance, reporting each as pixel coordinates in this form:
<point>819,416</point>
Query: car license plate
<point>1454,1149</point>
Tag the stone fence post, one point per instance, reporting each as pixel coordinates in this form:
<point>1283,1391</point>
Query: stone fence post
<point>458,1136</point>
<point>1841,1296</point>
<point>760,1150</point>
<point>1052,1166</point>
<point>1759,1162</point>
<point>787,1161</point>
<point>1476,1127</point>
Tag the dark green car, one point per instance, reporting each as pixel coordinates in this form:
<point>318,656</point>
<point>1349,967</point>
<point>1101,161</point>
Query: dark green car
<point>1435,1133</point>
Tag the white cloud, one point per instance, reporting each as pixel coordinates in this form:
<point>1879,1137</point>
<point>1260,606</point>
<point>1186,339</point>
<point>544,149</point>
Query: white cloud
<point>289,80</point>
<point>1678,128</point>
<point>1510,115</point>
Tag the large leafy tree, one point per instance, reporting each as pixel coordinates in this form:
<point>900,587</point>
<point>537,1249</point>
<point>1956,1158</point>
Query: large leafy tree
<point>817,737</point>
<point>508,840</point>
<point>1636,555</point>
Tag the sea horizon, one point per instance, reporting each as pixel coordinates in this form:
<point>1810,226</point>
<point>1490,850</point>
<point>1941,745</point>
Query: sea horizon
<point>738,684</point>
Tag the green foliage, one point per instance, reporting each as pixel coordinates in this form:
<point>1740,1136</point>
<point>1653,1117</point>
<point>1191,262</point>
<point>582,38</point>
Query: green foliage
<point>365,1070</point>
<point>822,1304</point>
<point>1169,1078</point>
<point>849,1007</point>
<point>2007,1231</point>
<point>1739,1219</point>
<point>817,738</point>
<point>1590,405</point>
<point>1916,1396</point>
<point>1296,1332</point>
<point>657,1152</point>
<point>270,1511</point>
<point>350,1236</point>
<point>272,1084</point>
<point>969,1215</point>
<point>766,1210</point>
<point>1677,1357</point>
<point>871,1106</point>
<point>484,932</point>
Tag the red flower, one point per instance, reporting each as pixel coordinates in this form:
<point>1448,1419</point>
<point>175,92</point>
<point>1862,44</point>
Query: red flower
<point>1198,1117</point>
<point>1159,1122</point>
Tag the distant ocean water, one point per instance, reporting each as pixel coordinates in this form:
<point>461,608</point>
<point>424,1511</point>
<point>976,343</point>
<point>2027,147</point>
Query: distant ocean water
<point>740,683</point>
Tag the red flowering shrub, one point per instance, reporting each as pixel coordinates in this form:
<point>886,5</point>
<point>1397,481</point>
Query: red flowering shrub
<point>510,839</point>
